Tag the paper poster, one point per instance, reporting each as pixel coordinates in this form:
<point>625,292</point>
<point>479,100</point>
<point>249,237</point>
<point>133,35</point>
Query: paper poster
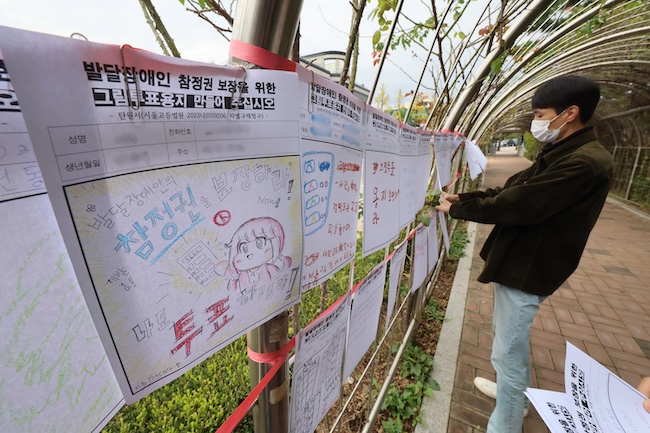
<point>443,144</point>
<point>596,400</point>
<point>396,267</point>
<point>458,140</point>
<point>442,217</point>
<point>420,260</point>
<point>20,174</point>
<point>381,181</point>
<point>54,373</point>
<point>174,193</point>
<point>408,175</point>
<point>364,317</point>
<point>476,160</point>
<point>331,158</point>
<point>432,246</point>
<point>316,380</point>
<point>424,166</point>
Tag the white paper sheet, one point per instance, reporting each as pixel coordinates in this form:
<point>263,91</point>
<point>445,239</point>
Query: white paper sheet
<point>420,259</point>
<point>396,267</point>
<point>442,217</point>
<point>20,174</point>
<point>54,373</point>
<point>596,400</point>
<point>476,160</point>
<point>364,317</point>
<point>424,166</point>
<point>316,380</point>
<point>408,175</point>
<point>161,236</point>
<point>443,144</point>
<point>332,150</point>
<point>432,247</point>
<point>381,182</point>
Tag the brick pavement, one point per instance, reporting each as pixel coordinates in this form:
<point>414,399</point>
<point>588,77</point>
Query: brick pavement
<point>603,308</point>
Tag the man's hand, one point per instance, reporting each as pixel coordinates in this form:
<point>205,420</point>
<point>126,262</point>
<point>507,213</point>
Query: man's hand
<point>446,200</point>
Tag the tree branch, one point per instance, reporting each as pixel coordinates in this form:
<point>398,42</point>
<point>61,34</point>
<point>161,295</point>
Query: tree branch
<point>160,27</point>
<point>354,34</point>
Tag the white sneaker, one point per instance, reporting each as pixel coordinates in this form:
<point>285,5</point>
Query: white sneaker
<point>489,388</point>
<point>486,386</point>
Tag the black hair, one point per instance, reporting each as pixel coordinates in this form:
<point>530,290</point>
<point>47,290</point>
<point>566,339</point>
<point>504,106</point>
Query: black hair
<point>562,92</point>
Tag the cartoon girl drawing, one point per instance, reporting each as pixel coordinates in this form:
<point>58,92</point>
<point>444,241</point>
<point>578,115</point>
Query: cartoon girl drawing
<point>255,254</point>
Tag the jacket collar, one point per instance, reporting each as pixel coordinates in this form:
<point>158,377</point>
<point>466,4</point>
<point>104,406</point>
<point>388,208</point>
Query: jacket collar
<point>551,152</point>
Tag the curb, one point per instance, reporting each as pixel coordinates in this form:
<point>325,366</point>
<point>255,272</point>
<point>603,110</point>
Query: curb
<point>435,410</point>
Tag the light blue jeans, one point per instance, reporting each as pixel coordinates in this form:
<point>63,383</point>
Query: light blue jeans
<point>514,311</point>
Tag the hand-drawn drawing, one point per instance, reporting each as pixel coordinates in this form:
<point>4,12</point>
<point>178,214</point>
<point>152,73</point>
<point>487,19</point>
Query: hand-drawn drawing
<point>199,262</point>
<point>187,267</point>
<point>318,180</point>
<point>255,256</point>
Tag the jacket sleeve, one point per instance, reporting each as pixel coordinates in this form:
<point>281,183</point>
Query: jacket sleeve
<point>534,200</point>
<point>490,192</point>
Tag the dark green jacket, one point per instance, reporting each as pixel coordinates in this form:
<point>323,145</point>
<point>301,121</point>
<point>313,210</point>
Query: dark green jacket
<point>543,215</point>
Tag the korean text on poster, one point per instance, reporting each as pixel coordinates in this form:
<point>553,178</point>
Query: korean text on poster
<point>408,169</point>
<point>20,174</point>
<point>381,182</point>
<point>364,317</point>
<point>317,369</point>
<point>184,260</point>
<point>176,254</point>
<point>331,148</point>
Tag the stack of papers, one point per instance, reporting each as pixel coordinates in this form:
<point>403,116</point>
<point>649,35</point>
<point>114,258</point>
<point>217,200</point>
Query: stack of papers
<point>595,401</point>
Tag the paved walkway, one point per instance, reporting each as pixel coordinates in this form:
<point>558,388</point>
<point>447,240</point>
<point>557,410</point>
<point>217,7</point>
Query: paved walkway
<point>603,308</point>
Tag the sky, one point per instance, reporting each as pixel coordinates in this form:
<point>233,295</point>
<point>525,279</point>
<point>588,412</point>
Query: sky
<point>324,27</point>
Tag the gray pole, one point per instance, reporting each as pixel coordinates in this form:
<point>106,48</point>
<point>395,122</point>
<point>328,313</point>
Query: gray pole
<point>272,25</point>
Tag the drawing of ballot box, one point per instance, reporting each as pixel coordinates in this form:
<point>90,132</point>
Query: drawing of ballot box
<point>318,175</point>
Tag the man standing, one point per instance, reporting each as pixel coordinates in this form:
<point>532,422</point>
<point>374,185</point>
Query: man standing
<point>542,218</point>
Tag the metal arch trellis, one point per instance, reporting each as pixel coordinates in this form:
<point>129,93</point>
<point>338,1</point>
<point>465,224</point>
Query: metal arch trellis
<point>565,32</point>
<point>539,49</point>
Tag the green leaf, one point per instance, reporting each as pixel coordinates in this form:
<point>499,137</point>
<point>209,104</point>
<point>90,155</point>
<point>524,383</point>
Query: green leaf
<point>376,37</point>
<point>461,35</point>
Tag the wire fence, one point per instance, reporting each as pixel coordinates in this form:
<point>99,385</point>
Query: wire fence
<point>626,137</point>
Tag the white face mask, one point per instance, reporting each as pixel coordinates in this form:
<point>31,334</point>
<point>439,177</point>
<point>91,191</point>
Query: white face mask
<point>539,130</point>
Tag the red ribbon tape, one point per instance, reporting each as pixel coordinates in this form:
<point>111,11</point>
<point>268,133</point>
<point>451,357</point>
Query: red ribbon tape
<point>260,57</point>
<point>241,411</point>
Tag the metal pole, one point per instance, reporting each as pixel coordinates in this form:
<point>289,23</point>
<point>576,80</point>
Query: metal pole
<point>271,25</point>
